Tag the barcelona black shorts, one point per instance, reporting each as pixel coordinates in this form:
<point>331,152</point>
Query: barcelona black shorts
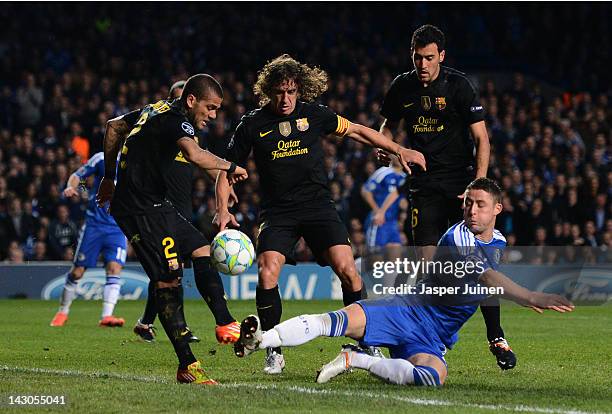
<point>318,223</point>
<point>433,212</point>
<point>160,241</point>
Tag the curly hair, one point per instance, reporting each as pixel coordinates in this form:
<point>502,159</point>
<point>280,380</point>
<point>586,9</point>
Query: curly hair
<point>311,81</point>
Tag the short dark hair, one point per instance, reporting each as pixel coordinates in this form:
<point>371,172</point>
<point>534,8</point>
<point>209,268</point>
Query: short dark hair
<point>427,34</point>
<point>176,85</point>
<point>488,185</point>
<point>202,86</point>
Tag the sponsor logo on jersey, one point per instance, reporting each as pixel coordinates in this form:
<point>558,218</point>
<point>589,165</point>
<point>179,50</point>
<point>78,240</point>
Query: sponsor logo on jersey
<point>302,124</point>
<point>263,134</point>
<point>427,124</point>
<point>408,105</point>
<point>285,128</point>
<point>441,102</point>
<point>288,149</point>
<point>426,102</point>
<point>187,127</point>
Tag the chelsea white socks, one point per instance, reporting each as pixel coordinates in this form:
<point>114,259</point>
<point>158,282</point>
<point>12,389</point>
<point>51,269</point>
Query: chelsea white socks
<point>110,295</point>
<point>68,293</point>
<point>305,328</point>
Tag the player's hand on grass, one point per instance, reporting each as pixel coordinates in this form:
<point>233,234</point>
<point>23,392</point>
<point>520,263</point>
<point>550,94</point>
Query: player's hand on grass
<point>71,192</point>
<point>407,156</point>
<point>223,218</point>
<point>105,192</point>
<point>240,174</point>
<point>538,301</point>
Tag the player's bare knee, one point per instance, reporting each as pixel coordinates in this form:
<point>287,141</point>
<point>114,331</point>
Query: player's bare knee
<point>347,273</point>
<point>356,321</point>
<point>113,269</point>
<point>269,270</point>
<point>77,272</point>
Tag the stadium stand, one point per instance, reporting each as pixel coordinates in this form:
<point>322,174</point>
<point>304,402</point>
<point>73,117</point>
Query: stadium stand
<point>546,93</point>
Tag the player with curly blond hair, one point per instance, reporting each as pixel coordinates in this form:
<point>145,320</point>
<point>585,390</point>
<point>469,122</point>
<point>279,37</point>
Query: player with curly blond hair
<point>285,137</point>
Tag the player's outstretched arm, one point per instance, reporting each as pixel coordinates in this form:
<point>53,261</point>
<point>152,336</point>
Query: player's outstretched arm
<point>209,161</point>
<point>375,139</point>
<point>535,300</point>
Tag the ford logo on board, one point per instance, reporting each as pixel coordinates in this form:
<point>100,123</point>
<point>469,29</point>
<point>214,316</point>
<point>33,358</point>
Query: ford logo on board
<point>586,286</point>
<point>91,285</point>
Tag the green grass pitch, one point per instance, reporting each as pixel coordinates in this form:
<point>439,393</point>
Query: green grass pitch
<point>564,366</point>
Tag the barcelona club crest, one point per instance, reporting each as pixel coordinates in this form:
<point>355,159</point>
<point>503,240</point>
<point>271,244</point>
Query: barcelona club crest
<point>302,124</point>
<point>426,102</point>
<point>284,128</point>
<point>441,102</point>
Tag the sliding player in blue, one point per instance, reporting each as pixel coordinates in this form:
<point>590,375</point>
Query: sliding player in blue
<point>416,329</point>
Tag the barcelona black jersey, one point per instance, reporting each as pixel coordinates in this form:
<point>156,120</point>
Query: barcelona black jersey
<point>148,153</point>
<point>288,152</point>
<point>437,120</point>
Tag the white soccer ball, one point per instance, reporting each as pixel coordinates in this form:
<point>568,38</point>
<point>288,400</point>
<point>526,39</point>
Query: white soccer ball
<point>232,252</point>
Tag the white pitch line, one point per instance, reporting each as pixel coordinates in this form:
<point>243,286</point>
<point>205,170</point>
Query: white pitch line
<point>307,390</point>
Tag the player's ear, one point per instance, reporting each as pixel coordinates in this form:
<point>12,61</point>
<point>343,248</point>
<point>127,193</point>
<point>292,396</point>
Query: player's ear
<point>498,208</point>
<point>191,100</point>
<point>442,54</point>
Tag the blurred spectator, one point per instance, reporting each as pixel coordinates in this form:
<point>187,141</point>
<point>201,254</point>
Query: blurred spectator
<point>62,234</point>
<point>30,102</point>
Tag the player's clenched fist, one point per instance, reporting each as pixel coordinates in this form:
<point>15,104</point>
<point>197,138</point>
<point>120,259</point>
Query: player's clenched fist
<point>239,174</point>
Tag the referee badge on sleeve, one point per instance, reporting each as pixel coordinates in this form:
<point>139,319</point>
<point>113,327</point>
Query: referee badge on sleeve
<point>302,124</point>
<point>284,128</point>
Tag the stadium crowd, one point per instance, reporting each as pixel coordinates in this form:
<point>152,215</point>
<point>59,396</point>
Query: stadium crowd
<point>551,152</point>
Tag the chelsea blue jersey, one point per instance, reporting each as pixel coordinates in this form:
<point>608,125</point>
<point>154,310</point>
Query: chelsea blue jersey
<point>460,242</point>
<point>95,215</point>
<point>383,182</point>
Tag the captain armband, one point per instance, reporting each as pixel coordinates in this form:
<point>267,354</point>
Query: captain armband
<point>343,126</point>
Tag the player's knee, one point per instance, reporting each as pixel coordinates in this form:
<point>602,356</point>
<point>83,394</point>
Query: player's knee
<point>113,268</point>
<point>77,272</point>
<point>347,272</point>
<point>269,270</point>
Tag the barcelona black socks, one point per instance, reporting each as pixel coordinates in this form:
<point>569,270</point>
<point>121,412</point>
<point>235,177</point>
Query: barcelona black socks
<point>150,312</point>
<point>491,312</point>
<point>269,308</point>
<point>352,297</point>
<point>210,286</point>
<point>169,303</point>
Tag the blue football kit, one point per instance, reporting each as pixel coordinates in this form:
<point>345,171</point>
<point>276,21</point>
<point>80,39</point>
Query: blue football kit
<point>100,233</point>
<point>383,182</point>
<point>413,323</point>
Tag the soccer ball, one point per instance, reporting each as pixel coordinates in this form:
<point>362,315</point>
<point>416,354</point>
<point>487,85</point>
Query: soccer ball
<point>232,252</point>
